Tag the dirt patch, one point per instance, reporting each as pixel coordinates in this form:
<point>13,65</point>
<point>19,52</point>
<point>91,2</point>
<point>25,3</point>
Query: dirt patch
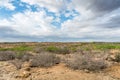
<point>58,72</point>
<point>114,71</point>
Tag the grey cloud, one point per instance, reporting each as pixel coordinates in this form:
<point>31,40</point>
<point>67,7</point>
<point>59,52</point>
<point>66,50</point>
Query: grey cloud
<point>6,31</point>
<point>104,5</point>
<point>98,7</point>
<point>114,22</point>
<point>9,35</point>
<point>24,38</point>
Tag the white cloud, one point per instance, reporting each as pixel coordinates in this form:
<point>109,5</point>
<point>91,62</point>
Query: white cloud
<point>30,23</point>
<point>94,29</point>
<point>87,26</point>
<point>51,5</point>
<point>7,4</point>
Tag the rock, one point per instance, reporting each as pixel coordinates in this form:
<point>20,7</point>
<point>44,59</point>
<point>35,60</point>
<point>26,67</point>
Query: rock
<point>27,69</point>
<point>26,74</point>
<point>111,58</point>
<point>23,74</point>
<point>87,71</point>
<point>26,64</point>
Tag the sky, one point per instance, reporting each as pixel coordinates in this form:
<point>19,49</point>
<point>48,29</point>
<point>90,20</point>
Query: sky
<point>59,20</point>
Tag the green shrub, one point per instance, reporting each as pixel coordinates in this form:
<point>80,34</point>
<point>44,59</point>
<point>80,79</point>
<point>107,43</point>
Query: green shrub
<point>18,48</point>
<point>4,49</point>
<point>58,50</point>
<point>22,48</point>
<point>73,49</point>
<point>52,49</point>
<point>106,46</point>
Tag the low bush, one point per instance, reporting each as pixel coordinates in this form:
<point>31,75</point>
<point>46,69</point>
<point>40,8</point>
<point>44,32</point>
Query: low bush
<point>19,55</point>
<point>63,50</point>
<point>27,57</point>
<point>51,49</point>
<point>86,61</point>
<point>58,50</point>
<point>44,60</point>
<point>38,50</point>
<point>18,48</point>
<point>7,55</point>
<point>17,63</point>
<point>23,56</point>
<point>117,57</point>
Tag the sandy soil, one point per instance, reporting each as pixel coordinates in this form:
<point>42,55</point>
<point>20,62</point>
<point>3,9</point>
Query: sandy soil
<point>58,72</point>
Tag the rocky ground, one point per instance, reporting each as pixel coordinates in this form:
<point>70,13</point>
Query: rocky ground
<point>58,72</point>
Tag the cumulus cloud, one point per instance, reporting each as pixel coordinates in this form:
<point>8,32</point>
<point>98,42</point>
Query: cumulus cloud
<point>31,23</point>
<point>7,4</point>
<point>92,20</point>
<point>51,5</point>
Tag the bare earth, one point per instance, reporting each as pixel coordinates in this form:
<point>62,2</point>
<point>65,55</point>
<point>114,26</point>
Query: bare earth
<point>59,72</point>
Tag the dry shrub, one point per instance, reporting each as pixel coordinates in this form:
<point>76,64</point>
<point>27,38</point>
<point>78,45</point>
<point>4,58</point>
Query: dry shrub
<point>27,57</point>
<point>19,55</point>
<point>63,50</point>
<point>44,60</point>
<point>7,55</point>
<point>17,63</point>
<point>117,57</point>
<point>86,61</point>
<point>23,56</point>
<point>38,49</point>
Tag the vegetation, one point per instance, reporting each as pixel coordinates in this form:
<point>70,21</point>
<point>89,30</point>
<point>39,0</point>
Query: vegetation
<point>17,63</point>
<point>44,60</point>
<point>17,48</point>
<point>7,55</point>
<point>59,47</point>
<point>59,50</point>
<point>23,56</point>
<point>117,57</point>
<point>86,62</point>
<point>81,56</point>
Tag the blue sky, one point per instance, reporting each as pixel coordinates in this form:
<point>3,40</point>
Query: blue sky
<point>59,20</point>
